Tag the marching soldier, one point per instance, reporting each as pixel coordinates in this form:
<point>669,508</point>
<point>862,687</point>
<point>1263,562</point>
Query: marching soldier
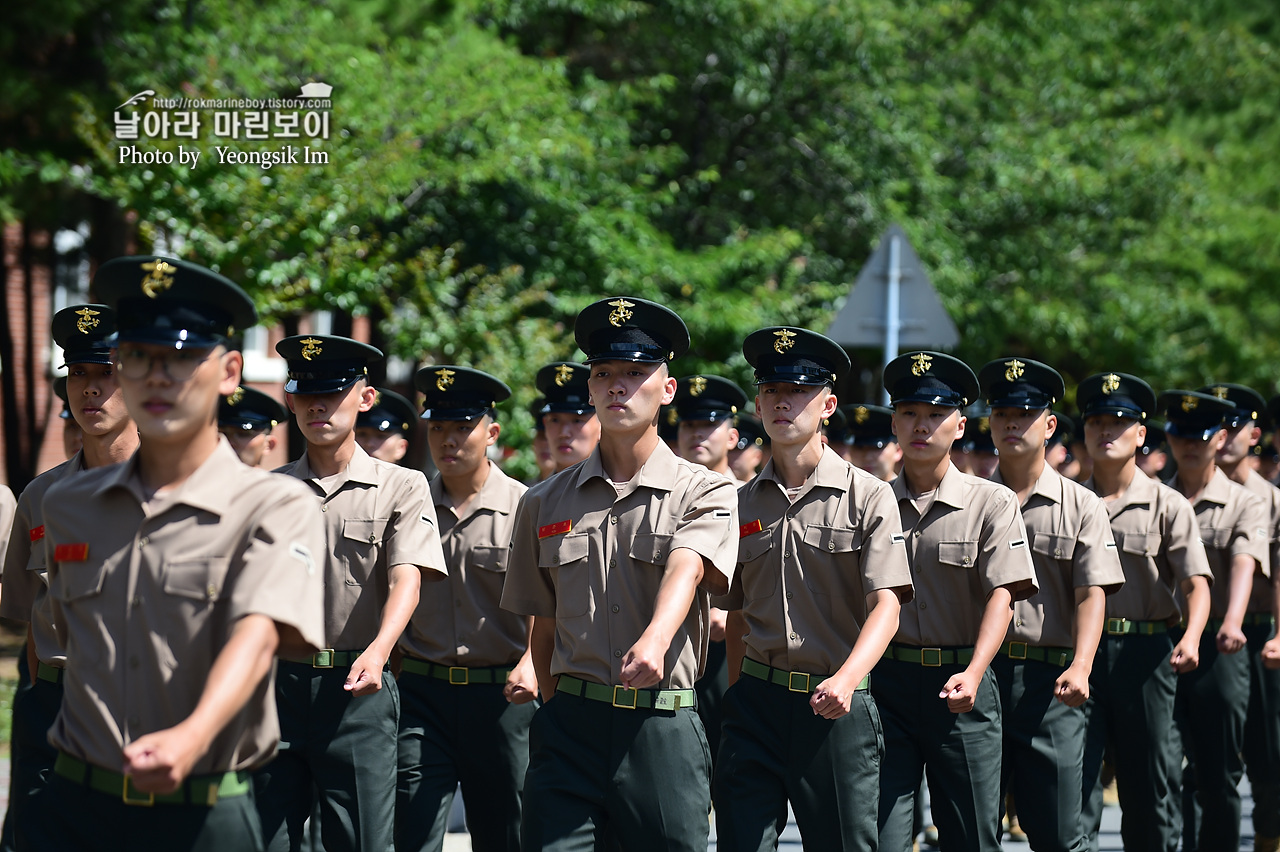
<point>615,561</point>
<point>175,578</point>
<point>339,708</point>
<point>466,681</point>
<point>1262,721</point>
<point>383,431</point>
<point>1213,700</point>
<point>1043,669</point>
<point>871,443</point>
<point>969,563</point>
<point>567,414</point>
<point>822,572</point>
<point>248,419</point>
<point>1134,677</point>
<point>109,437</point>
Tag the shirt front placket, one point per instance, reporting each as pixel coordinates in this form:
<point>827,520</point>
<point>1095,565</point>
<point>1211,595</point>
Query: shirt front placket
<point>144,582</point>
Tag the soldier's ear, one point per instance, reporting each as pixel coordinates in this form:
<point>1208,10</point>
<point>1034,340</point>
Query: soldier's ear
<point>232,364</point>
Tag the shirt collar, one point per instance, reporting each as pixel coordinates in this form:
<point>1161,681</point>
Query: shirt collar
<point>950,490</point>
<point>206,488</point>
<point>658,472</point>
<point>493,494</point>
<point>1048,484</point>
<point>362,468</point>
<point>1141,491</point>
<point>831,472</point>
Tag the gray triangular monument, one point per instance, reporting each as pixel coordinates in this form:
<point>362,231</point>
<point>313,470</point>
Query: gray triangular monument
<point>922,321</point>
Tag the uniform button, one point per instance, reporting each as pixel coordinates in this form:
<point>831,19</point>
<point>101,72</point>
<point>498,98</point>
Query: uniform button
<point>136,602</point>
<point>1057,551</point>
<point>786,554</point>
<point>917,533</point>
<point>617,653</point>
<point>790,595</point>
<point>831,545</point>
<point>794,636</point>
<point>615,608</point>
<point>324,507</point>
<point>613,563</point>
<point>966,562</point>
<point>211,590</point>
<point>133,661</point>
<point>142,542</point>
<point>1019,622</point>
<point>923,605</point>
<point>372,538</point>
<point>613,519</point>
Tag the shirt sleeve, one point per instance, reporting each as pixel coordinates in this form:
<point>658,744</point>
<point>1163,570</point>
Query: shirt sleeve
<point>19,583</point>
<point>1006,557</point>
<point>280,570</point>
<point>1181,536</point>
<point>709,526</point>
<point>1095,560</point>
<point>884,549</point>
<point>527,589</point>
<point>413,533</point>
<point>1249,536</point>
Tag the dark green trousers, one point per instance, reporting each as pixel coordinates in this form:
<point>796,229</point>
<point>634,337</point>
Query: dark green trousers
<point>337,749</point>
<point>460,734</point>
<point>602,777</point>
<point>70,817</point>
<point>1130,714</point>
<point>775,750</point>
<point>1210,712</point>
<point>958,753</point>
<point>35,706</point>
<point>1043,755</point>
<point>1262,734</point>
<point>711,688</point>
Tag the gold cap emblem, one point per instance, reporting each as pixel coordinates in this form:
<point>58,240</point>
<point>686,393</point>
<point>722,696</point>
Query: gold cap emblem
<point>922,363</point>
<point>377,397</point>
<point>1220,392</point>
<point>1110,383</point>
<point>1013,370</point>
<point>235,396</point>
<point>984,424</point>
<point>87,320</point>
<point>785,340</point>
<point>310,347</point>
<point>673,416</point>
<point>861,415</point>
<point>444,378</point>
<point>620,313</point>
<point>697,385</point>
<point>1190,403</point>
<point>159,277</point>
<point>563,374</point>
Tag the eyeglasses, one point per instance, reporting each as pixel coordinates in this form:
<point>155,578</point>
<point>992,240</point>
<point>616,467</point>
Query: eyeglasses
<point>179,365</point>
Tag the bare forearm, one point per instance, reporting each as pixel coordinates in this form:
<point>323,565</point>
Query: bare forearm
<point>992,629</point>
<point>1196,591</point>
<point>1242,570</point>
<point>675,595</point>
<point>238,669</point>
<point>403,584</point>
<point>1091,614</point>
<point>876,633</point>
<point>542,645</point>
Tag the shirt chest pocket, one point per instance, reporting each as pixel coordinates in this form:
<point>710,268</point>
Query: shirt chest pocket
<point>564,557</point>
<point>828,550</point>
<point>1137,543</point>
<point>1218,538</point>
<point>78,580</point>
<point>653,548</point>
<point>958,554</point>
<point>1056,547</point>
<point>759,574</point>
<point>490,559</point>
<point>360,547</point>
<point>199,579</point>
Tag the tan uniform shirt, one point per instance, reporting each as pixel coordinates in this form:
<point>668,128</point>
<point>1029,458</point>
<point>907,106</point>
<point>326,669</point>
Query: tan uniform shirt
<point>376,515</point>
<point>25,581</point>
<point>1159,545</point>
<point>593,557</point>
<point>147,592</point>
<point>1232,521</point>
<point>805,568</point>
<point>1071,547</point>
<point>969,542</point>
<point>1262,599</point>
<point>461,623</point>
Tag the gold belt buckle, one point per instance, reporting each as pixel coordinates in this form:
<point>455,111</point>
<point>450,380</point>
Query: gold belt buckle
<point>148,802</point>
<point>322,659</point>
<point>1016,656</point>
<point>466,675</point>
<point>635,698</point>
<point>1115,626</point>
<point>791,681</point>
<point>937,657</point>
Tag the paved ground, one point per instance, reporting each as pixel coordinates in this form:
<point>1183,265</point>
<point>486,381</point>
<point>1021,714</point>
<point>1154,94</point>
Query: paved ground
<point>1109,838</point>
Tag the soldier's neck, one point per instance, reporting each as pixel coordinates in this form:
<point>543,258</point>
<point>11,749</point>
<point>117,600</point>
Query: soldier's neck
<point>622,455</point>
<point>923,477</point>
<point>112,448</point>
<point>1192,482</point>
<point>796,463</point>
<point>1110,482</point>
<point>1022,474</point>
<point>1237,471</point>
<point>331,459</point>
<point>462,488</point>
<point>166,464</point>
